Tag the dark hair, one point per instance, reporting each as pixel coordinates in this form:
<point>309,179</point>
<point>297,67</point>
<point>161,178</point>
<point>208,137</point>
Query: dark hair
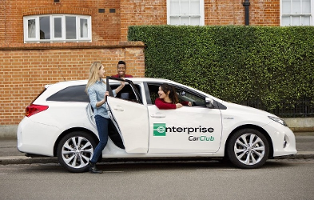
<point>172,95</point>
<point>121,62</point>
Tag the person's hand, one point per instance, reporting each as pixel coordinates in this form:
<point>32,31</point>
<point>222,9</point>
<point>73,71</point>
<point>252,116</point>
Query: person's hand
<point>100,103</point>
<point>178,105</point>
<point>190,103</point>
<point>106,94</point>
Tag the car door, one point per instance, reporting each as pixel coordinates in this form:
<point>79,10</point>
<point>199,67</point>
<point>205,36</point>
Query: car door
<point>195,129</point>
<point>130,115</point>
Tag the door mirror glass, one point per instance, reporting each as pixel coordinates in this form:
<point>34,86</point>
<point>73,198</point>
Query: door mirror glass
<point>209,102</point>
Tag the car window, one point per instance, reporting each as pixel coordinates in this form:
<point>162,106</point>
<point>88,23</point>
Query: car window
<point>72,93</point>
<point>126,93</point>
<point>153,93</point>
<point>184,94</point>
<point>187,95</point>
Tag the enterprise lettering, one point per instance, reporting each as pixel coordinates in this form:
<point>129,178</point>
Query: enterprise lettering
<point>199,129</point>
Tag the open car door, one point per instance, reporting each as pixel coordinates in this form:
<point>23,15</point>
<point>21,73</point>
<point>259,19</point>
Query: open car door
<point>129,115</point>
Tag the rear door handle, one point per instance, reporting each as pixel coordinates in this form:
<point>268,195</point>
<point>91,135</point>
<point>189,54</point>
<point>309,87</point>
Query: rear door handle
<point>157,115</point>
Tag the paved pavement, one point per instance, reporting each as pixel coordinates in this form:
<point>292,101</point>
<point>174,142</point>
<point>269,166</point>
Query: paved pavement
<point>10,155</point>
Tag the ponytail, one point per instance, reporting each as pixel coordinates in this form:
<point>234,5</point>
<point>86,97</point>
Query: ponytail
<point>173,95</point>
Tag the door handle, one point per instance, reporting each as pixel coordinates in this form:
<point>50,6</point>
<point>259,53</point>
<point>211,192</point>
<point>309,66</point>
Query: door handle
<point>118,108</point>
<point>157,115</point>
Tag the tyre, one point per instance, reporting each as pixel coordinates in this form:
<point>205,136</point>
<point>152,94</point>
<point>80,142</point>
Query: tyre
<point>75,150</point>
<point>248,149</point>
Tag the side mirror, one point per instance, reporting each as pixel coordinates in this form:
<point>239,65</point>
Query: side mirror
<point>209,102</point>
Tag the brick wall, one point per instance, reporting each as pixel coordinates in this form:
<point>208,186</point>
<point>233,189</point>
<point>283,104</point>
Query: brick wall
<point>106,26</point>
<point>216,12</point>
<point>25,71</point>
<point>142,12</point>
<point>231,12</point>
<point>265,13</point>
<point>113,26</point>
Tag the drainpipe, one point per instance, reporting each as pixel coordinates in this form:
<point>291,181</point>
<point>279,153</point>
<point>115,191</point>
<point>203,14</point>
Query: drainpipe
<point>246,5</point>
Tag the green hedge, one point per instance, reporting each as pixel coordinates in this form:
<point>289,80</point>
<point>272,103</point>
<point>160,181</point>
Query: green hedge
<point>235,63</point>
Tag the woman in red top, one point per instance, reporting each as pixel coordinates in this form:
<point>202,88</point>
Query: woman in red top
<point>168,98</point>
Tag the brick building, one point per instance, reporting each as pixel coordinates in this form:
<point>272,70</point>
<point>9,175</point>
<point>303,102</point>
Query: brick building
<point>47,41</point>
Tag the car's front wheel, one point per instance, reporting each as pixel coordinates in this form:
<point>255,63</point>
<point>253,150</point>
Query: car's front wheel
<point>75,150</point>
<point>248,148</point>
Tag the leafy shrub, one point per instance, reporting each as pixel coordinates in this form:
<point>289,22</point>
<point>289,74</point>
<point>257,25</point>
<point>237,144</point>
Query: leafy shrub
<point>271,65</point>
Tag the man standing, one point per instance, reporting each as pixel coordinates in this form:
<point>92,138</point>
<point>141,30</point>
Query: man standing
<point>121,68</point>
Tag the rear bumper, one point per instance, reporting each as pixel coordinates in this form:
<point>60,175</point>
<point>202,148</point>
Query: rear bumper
<point>36,138</point>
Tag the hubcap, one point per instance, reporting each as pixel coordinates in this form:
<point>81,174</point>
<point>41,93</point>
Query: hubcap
<point>77,151</point>
<point>249,149</point>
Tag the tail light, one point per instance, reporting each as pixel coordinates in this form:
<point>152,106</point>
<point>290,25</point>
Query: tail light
<point>34,109</point>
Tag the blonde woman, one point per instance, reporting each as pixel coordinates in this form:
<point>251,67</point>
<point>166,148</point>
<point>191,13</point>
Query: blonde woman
<point>97,92</point>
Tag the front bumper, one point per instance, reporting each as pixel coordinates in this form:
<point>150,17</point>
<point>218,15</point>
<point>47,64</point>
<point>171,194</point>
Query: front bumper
<point>283,139</point>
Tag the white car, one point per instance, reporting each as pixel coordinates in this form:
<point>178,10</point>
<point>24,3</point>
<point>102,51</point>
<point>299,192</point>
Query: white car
<point>60,122</point>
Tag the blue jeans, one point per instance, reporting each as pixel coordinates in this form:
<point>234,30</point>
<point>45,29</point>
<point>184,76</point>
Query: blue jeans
<point>102,128</point>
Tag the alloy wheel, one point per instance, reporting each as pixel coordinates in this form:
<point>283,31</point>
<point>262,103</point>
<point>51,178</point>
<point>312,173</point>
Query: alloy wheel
<point>249,149</point>
<point>77,151</point>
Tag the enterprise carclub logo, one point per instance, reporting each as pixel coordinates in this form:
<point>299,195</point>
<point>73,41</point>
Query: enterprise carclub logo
<point>159,129</point>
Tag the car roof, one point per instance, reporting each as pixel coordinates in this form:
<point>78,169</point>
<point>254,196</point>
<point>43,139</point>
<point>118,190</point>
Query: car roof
<point>84,82</point>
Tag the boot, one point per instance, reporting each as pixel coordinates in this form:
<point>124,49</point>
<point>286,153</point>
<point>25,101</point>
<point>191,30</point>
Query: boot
<point>93,169</point>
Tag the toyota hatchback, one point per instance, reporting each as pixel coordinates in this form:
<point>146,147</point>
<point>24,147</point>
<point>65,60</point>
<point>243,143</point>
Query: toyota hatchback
<point>60,123</point>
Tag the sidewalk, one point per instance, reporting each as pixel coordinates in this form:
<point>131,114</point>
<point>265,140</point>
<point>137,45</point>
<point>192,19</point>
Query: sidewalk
<point>10,155</point>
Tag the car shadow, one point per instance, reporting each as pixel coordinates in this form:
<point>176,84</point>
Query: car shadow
<point>152,165</point>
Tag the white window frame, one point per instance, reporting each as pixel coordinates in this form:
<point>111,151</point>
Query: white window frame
<point>202,21</point>
<point>78,38</point>
<point>294,15</point>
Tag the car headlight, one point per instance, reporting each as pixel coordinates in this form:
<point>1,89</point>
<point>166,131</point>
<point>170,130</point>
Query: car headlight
<point>279,120</point>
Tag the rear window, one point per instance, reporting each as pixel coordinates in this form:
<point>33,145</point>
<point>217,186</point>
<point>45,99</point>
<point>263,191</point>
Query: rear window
<point>72,93</point>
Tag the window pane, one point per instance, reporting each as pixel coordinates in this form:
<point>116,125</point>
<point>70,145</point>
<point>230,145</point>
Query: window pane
<point>286,21</point>
<point>70,27</point>
<point>185,21</point>
<point>73,93</point>
<point>44,24</point>
<point>84,28</point>
<point>295,21</point>
<point>57,28</point>
<point>305,21</point>
<point>195,7</point>
<point>296,7</point>
<point>306,7</point>
<point>31,28</point>
<point>174,20</point>
<point>185,8</point>
<point>174,7</point>
<point>286,6</point>
<point>187,96</point>
<point>195,21</point>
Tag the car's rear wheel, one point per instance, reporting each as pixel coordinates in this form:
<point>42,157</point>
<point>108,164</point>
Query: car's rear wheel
<point>248,148</point>
<point>75,150</point>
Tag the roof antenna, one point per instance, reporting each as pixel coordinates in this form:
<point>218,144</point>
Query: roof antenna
<point>61,73</point>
